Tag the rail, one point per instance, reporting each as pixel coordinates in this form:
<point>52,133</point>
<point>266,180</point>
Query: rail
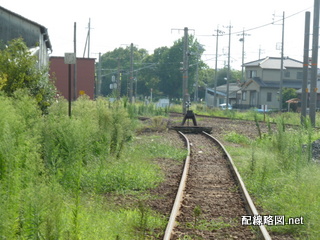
<point>249,205</point>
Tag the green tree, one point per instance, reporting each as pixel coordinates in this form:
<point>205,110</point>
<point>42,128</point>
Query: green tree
<point>289,93</point>
<point>222,75</point>
<point>18,70</point>
<point>118,61</point>
<point>169,64</point>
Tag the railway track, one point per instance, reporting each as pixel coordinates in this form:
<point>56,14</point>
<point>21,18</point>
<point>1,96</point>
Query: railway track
<point>211,198</point>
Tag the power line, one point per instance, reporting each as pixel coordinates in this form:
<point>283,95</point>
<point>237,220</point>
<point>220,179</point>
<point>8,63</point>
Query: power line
<point>271,23</point>
<point>258,27</point>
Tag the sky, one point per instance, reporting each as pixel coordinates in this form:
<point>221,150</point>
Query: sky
<point>151,24</point>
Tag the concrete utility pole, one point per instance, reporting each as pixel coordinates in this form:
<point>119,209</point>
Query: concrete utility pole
<point>243,34</point>
<point>75,94</point>
<point>89,29</point>
<point>87,40</point>
<point>219,33</point>
<point>98,92</point>
<point>228,74</point>
<point>185,70</point>
<point>281,66</point>
<point>119,80</point>
<point>197,79</point>
<point>314,64</point>
<point>196,91</point>
<point>304,98</point>
<point>131,73</point>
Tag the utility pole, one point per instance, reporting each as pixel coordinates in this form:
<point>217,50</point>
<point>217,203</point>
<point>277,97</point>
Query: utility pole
<point>89,29</point>
<point>197,79</point>
<point>281,65</point>
<point>196,92</point>
<point>304,98</point>
<point>185,95</point>
<point>185,70</point>
<point>75,65</point>
<point>243,34</point>
<point>119,80</point>
<point>314,64</point>
<point>228,74</point>
<point>260,52</point>
<point>87,40</point>
<point>218,33</point>
<point>131,73</point>
<point>98,92</point>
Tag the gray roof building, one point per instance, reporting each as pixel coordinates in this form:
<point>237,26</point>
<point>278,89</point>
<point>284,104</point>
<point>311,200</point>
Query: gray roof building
<point>13,25</point>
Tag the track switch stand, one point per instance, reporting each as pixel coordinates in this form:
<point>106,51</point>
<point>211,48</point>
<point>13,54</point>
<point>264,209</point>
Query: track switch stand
<point>189,115</point>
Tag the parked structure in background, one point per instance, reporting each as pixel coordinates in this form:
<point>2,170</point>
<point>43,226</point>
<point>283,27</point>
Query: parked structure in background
<point>35,36</point>
<point>85,76</point>
<point>262,84</point>
<point>263,81</point>
<point>221,95</point>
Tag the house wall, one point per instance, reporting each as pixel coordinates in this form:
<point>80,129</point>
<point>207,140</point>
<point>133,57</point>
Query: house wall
<point>85,76</point>
<point>219,100</point>
<point>274,103</point>
<point>248,92</point>
<point>256,96</point>
<point>271,75</point>
<point>295,74</point>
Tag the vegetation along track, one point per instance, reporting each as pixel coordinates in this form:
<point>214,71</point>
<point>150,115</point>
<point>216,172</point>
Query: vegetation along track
<point>212,198</point>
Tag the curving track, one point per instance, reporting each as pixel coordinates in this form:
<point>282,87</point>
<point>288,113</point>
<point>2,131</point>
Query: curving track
<point>211,198</point>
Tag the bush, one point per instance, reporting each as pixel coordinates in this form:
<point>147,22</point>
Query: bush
<point>55,170</point>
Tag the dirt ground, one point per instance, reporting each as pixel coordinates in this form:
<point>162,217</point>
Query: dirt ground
<point>166,190</point>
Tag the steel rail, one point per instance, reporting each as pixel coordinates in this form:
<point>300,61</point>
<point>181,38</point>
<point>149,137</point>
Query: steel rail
<point>249,205</point>
<point>179,195</point>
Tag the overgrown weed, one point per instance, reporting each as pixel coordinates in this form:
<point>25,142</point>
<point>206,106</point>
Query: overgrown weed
<point>55,169</point>
<point>281,176</point>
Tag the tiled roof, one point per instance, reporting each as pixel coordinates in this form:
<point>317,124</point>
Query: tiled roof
<point>222,89</point>
<point>275,63</point>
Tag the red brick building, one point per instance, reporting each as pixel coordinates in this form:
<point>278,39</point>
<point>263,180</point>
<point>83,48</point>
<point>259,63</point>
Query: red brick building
<point>85,83</point>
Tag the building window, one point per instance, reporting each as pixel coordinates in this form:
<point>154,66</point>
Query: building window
<point>244,93</point>
<point>299,75</point>
<point>269,97</point>
<point>252,73</point>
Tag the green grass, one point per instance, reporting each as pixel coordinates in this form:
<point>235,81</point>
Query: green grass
<point>281,177</point>
<point>56,171</point>
<point>236,138</point>
<point>272,117</point>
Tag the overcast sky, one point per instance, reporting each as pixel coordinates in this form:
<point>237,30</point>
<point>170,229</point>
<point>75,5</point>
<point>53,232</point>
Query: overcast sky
<point>148,24</point>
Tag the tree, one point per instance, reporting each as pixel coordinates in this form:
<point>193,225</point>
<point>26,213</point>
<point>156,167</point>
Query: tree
<point>287,94</point>
<point>169,66</point>
<point>222,75</point>
<point>118,61</point>
<point>18,70</point>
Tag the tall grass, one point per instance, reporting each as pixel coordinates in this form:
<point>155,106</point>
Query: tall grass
<point>282,178</point>
<point>55,171</point>
<point>251,114</point>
